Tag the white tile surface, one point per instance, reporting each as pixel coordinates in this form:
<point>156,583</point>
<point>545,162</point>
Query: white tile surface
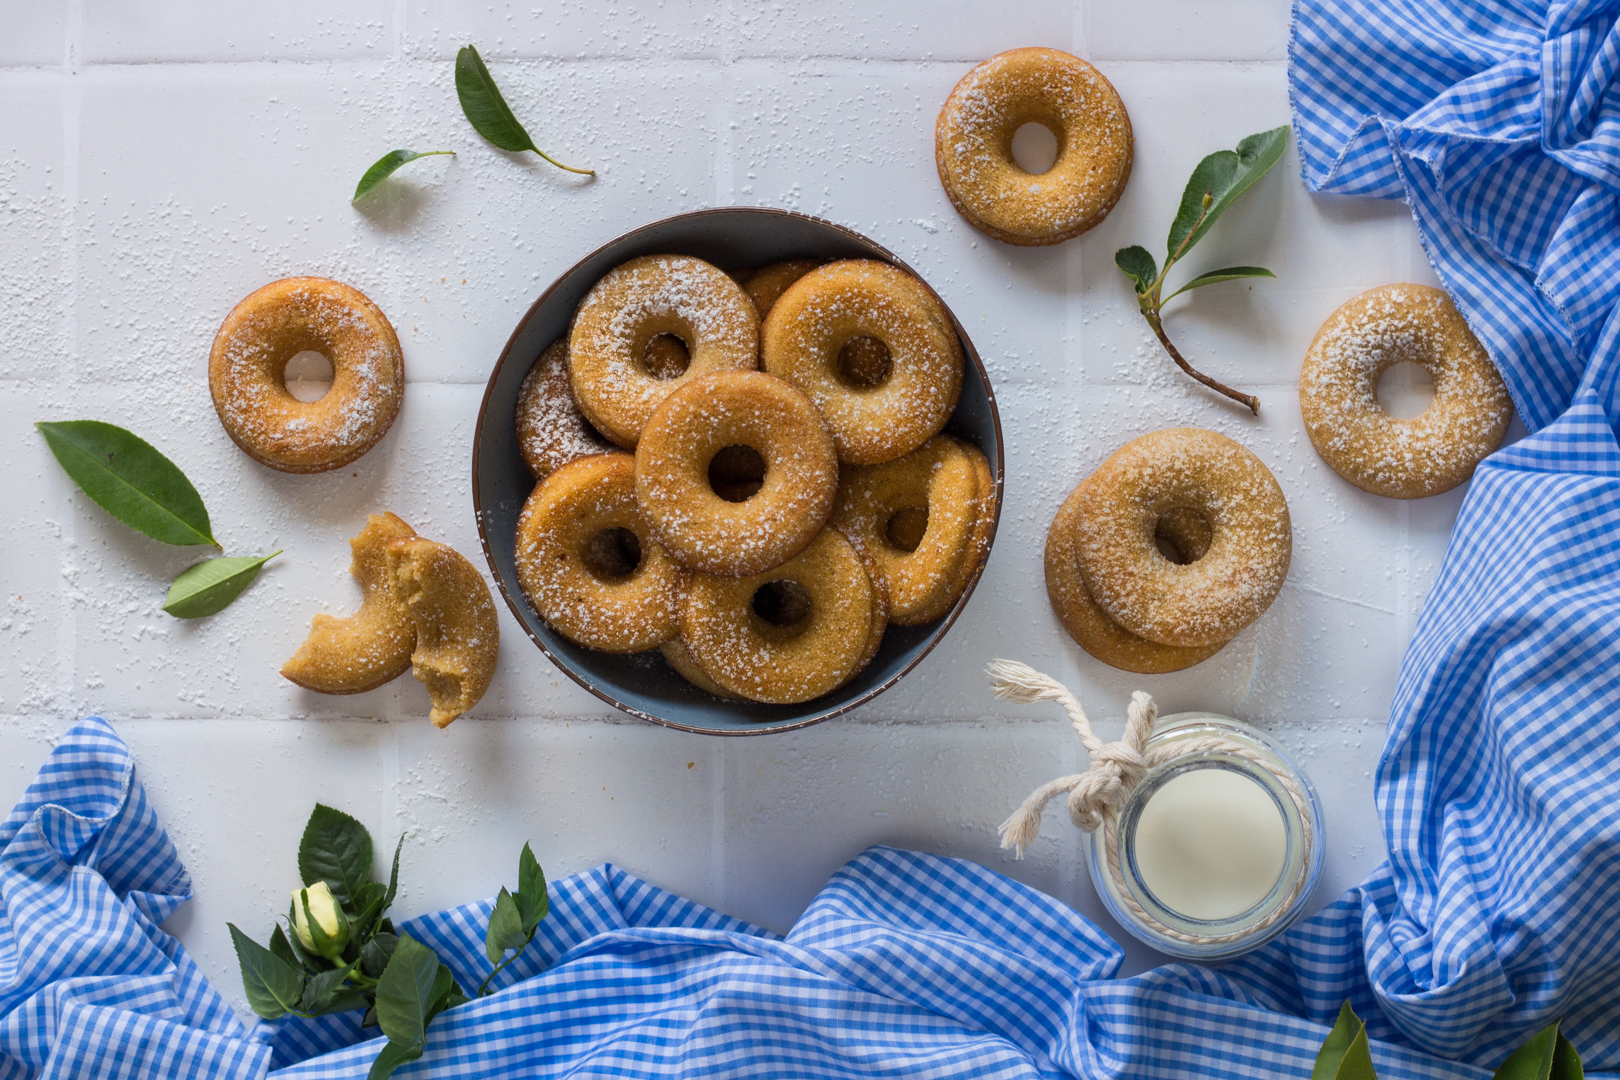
<point>154,169</point>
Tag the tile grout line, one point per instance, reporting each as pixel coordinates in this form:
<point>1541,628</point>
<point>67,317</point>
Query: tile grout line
<point>67,629</point>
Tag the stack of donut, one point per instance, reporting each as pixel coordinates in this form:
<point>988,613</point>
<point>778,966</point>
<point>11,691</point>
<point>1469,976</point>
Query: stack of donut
<point>747,473</point>
<point>1159,558</point>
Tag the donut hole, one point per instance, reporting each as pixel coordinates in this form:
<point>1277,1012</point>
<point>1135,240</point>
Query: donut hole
<point>1182,535</point>
<point>906,527</point>
<point>307,376</point>
<point>783,604</point>
<point>612,554</point>
<point>736,473</point>
<point>1034,147</point>
<point>864,362</point>
<point>1405,390</point>
<point>665,356</point>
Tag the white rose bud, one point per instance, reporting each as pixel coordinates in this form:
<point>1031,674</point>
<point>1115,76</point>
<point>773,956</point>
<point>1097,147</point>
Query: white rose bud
<point>324,907</point>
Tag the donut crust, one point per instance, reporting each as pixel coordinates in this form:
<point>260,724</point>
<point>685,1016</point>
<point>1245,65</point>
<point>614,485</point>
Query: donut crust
<point>766,285</point>
<point>248,364</point>
<point>636,302</point>
<point>562,516</point>
<point>458,638</point>
<point>1380,453</point>
<point>676,656</point>
<point>940,477</point>
<point>698,528</point>
<point>829,307</point>
<point>551,431</point>
<point>755,659</point>
<point>1204,602</point>
<point>1088,624</point>
<point>369,648</point>
<point>973,146</point>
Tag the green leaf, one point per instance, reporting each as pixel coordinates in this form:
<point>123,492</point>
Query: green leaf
<point>393,877</point>
<point>1345,1053</point>
<point>283,949</point>
<point>487,111</point>
<point>405,992</point>
<point>375,953</point>
<point>309,960</point>
<point>532,901</point>
<point>1223,176</point>
<point>273,986</point>
<point>393,1055</point>
<point>446,993</point>
<point>207,587</point>
<point>385,167</point>
<point>505,928</point>
<point>326,989</point>
<point>335,849</point>
<point>1138,264</point>
<point>1230,273</point>
<point>1546,1056</point>
<point>130,479</point>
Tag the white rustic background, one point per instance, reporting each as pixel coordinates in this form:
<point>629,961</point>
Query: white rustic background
<point>160,160</point>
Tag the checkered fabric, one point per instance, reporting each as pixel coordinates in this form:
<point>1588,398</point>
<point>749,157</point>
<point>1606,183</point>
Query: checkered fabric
<point>1498,124</point>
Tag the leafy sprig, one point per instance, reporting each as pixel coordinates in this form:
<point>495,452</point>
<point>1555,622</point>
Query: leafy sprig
<point>488,112</point>
<point>385,166</point>
<point>1214,185</point>
<point>344,953</point>
<point>1346,1054</point>
<point>134,482</point>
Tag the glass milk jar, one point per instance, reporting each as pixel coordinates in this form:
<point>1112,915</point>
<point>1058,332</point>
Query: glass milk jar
<point>1216,851</point>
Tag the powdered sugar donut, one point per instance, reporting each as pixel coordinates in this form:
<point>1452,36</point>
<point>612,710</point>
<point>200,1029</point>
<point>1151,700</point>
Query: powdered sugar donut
<point>1380,453</point>
<point>621,329</point>
<point>973,146</point>
<point>551,431</point>
<point>809,328</point>
<point>1204,602</point>
<point>247,374</point>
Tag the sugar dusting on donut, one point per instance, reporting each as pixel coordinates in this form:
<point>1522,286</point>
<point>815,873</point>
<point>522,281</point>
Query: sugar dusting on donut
<point>1205,602</point>
<point>551,431</point>
<point>1380,453</point>
<point>250,354</point>
<point>973,140</point>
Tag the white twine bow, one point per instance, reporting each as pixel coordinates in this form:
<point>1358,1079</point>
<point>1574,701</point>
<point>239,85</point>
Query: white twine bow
<point>1116,767</point>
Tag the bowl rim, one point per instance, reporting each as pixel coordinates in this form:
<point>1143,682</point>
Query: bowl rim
<point>519,604</point>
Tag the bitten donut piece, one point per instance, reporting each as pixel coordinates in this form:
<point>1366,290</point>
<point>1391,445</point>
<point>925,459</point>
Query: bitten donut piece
<point>894,407</point>
<point>746,409</point>
<point>363,651</point>
<point>618,349</point>
<point>588,562</point>
<point>766,285</point>
<point>247,374</point>
<point>973,146</point>
<point>916,520</point>
<point>551,431</point>
<point>457,636</point>
<point>788,635</point>
<point>1088,624</point>
<point>1205,602</point>
<point>1380,453</point>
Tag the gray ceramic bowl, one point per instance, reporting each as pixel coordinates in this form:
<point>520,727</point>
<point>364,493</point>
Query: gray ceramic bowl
<point>643,685</point>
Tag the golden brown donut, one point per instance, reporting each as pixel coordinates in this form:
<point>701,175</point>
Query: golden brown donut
<point>936,486</point>
<point>1088,624</point>
<point>248,365</point>
<point>984,520</point>
<point>973,146</point>
<point>1204,602</point>
<point>766,285</point>
<point>807,331</point>
<point>587,560</point>
<point>1338,393</point>
<point>703,531</point>
<point>458,638</point>
<point>820,635</point>
<point>370,647</point>
<point>676,656</point>
<point>551,431</point>
<point>643,300</point>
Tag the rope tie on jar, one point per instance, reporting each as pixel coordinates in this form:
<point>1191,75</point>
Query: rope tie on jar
<point>1096,795</point>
